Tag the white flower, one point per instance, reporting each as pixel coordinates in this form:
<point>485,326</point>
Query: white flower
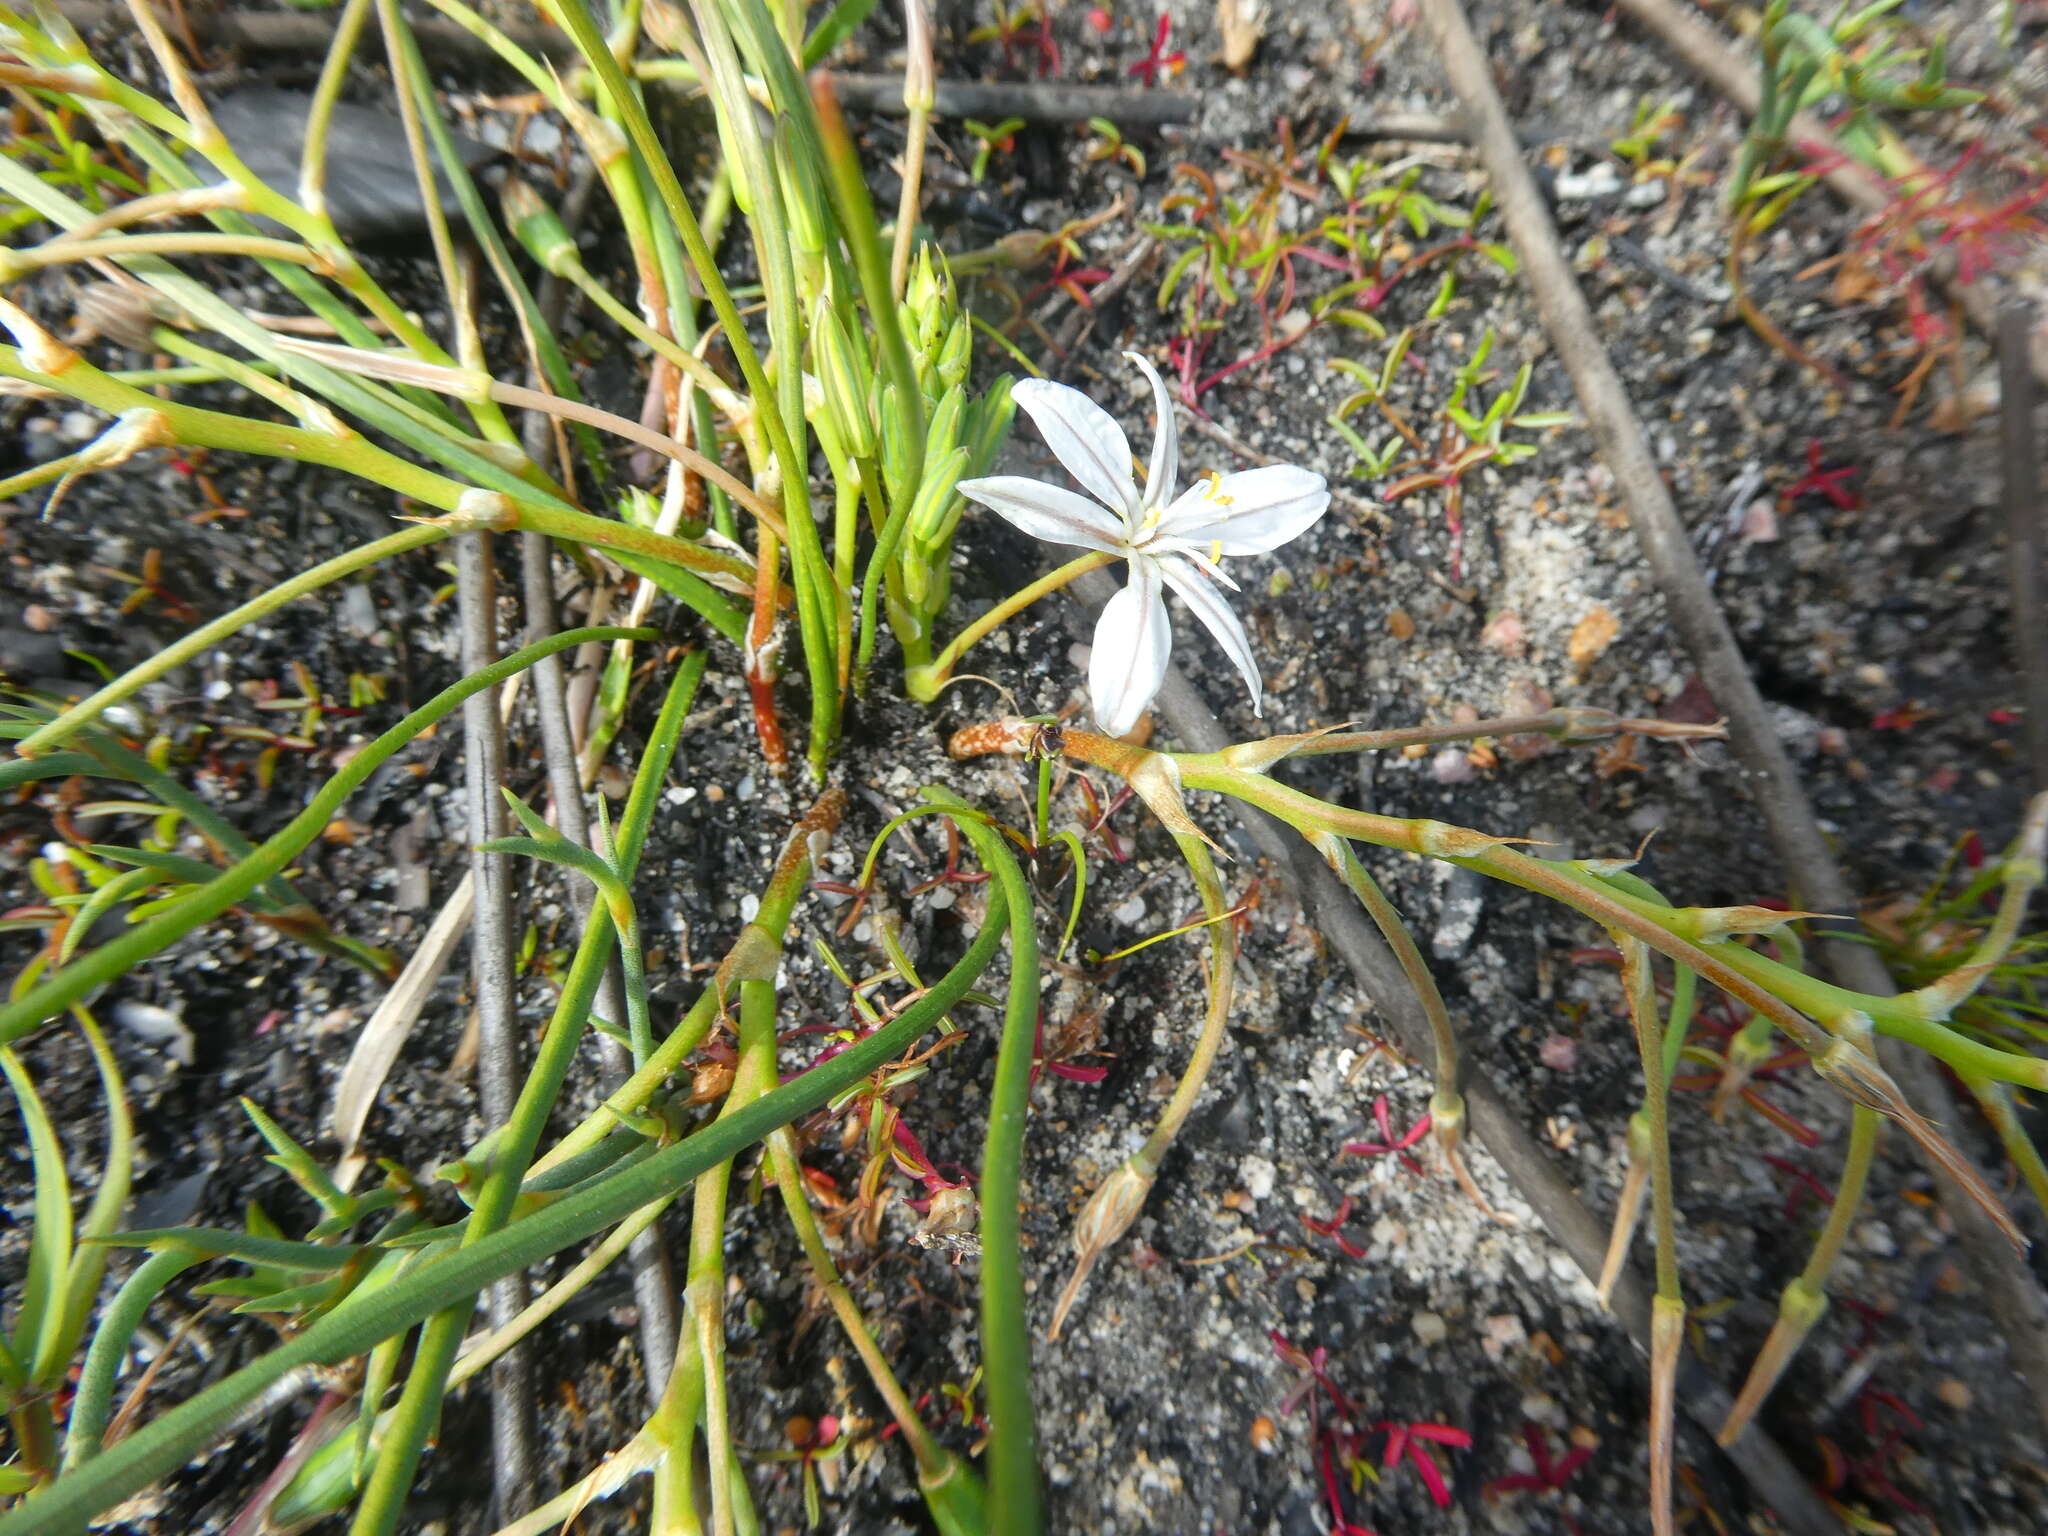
<point>1178,542</point>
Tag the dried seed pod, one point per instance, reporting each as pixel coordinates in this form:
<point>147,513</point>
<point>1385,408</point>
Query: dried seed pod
<point>1105,1218</point>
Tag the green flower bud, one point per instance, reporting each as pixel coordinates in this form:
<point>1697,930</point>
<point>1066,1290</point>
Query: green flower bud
<point>989,424</point>
<point>935,498</point>
<point>895,447</point>
<point>955,352</point>
<point>942,434</point>
<point>841,371</point>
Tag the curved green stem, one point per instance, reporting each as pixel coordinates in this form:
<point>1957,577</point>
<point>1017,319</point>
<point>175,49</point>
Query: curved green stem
<point>1805,1300</point>
<point>1667,1314</point>
<point>1216,1015</point>
<point>1014,1497</point>
<point>924,683</point>
<point>785,1168</point>
<point>180,651</point>
<point>93,1406</point>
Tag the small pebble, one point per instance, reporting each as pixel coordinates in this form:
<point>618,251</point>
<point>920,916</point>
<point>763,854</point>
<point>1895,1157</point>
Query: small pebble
<point>1600,179</point>
<point>157,1027</point>
<point>1430,1328</point>
<point>1453,765</point>
<point>1258,1175</point>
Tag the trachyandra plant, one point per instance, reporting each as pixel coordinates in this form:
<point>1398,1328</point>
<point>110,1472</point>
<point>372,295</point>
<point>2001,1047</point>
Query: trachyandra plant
<point>858,357</point>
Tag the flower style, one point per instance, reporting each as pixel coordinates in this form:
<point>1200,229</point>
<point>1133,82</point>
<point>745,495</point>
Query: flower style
<point>1170,541</point>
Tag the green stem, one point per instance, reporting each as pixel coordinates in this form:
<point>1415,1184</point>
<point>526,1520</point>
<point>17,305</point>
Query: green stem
<point>924,683</point>
<point>787,1171</point>
<point>15,265</point>
<point>1222,978</point>
<point>1443,1035</point>
<point>348,32</point>
<point>179,652</point>
<point>1639,982</point>
<point>1014,1494</point>
<point>755,955</point>
<point>753,1075</point>
<point>412,1422</point>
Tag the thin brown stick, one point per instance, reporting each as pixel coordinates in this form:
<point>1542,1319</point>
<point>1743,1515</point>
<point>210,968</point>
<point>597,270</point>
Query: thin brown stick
<point>2022,496</point>
<point>491,946</point>
<point>2019,1309</point>
<point>1495,1123</point>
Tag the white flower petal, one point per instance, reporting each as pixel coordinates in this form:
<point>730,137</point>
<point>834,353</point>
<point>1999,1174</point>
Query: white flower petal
<point>1208,605</point>
<point>1048,512</point>
<point>1127,662</point>
<point>1084,438</point>
<point>1199,558</point>
<point>1165,467</point>
<point>1248,513</point>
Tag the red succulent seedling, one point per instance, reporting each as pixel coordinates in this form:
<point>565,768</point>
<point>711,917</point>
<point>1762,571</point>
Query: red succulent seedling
<point>1149,68</point>
<point>1332,1230</point>
<point>1409,1441</point>
<point>1822,482</point>
<point>1549,1476</point>
<point>1389,1142</point>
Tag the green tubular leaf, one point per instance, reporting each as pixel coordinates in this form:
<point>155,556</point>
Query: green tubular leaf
<point>536,824</point>
<point>128,883</point>
<point>689,589</point>
<point>249,1248</point>
<point>1080,857</point>
<point>57,765</point>
<point>1005,1324</point>
<point>839,23</point>
<point>93,1405</point>
<point>174,866</point>
<point>364,1321</point>
<point>73,719</point>
<point>89,1262</point>
<point>40,1312</point>
<point>559,851</point>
